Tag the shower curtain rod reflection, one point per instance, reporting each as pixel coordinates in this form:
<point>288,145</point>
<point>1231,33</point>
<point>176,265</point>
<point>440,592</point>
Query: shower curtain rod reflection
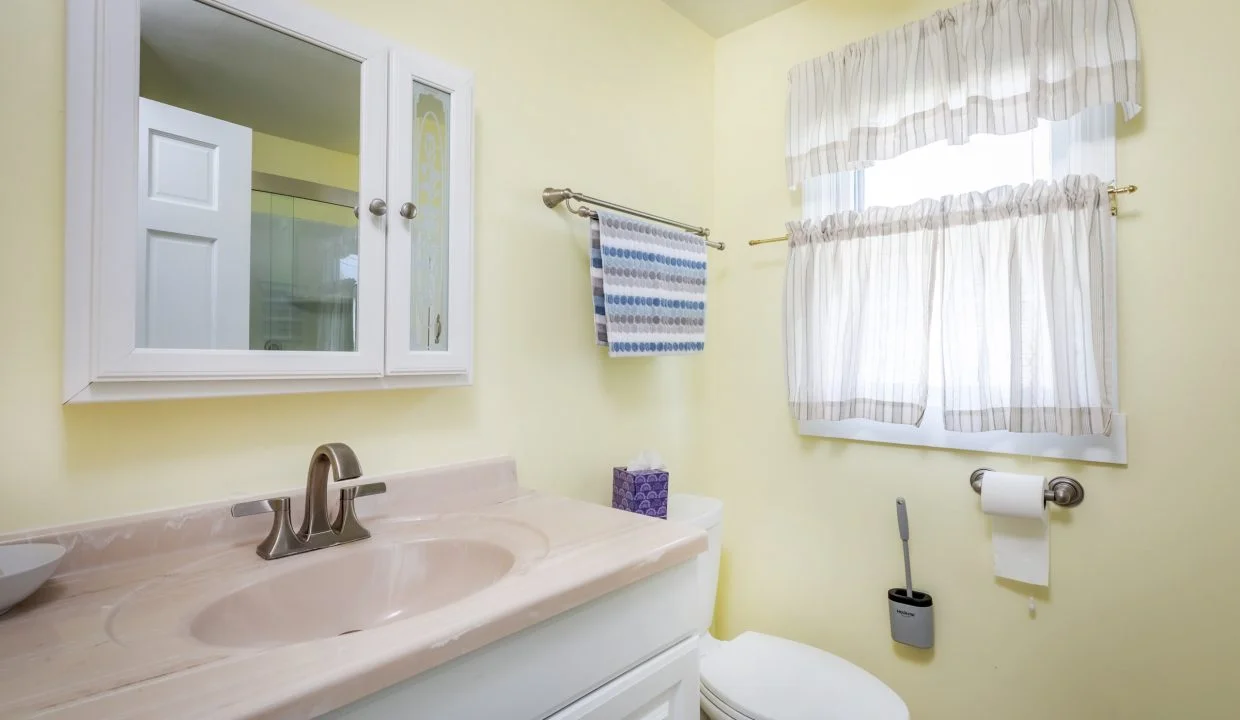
<point>293,187</point>
<point>554,196</point>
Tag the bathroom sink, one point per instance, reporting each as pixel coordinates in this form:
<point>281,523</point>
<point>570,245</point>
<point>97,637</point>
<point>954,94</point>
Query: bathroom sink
<point>351,591</point>
<point>230,598</point>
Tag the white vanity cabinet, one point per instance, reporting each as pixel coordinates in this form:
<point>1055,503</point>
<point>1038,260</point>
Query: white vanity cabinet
<point>629,655</point>
<point>261,198</point>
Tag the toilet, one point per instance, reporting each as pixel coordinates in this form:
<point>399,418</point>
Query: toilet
<point>761,677</point>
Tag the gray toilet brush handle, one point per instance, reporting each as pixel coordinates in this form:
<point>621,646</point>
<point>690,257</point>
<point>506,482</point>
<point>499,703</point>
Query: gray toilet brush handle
<point>902,519</point>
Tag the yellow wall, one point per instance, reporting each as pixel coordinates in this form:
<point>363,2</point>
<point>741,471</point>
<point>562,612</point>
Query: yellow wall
<point>610,97</point>
<point>615,98</point>
<point>1134,624</point>
<point>281,156</point>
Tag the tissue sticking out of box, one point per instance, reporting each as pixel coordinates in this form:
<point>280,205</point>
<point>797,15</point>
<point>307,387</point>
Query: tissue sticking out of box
<point>645,461</point>
<point>641,486</point>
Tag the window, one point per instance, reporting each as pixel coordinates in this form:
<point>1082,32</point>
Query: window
<point>1082,145</point>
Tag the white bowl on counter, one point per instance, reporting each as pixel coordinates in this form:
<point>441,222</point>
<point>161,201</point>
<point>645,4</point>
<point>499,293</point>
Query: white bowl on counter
<point>24,568</point>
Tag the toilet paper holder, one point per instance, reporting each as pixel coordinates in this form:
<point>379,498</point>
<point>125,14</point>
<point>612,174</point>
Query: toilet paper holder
<point>1063,491</point>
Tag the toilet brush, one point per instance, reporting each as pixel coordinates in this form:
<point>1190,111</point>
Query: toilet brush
<point>902,520</point>
<point>912,612</point>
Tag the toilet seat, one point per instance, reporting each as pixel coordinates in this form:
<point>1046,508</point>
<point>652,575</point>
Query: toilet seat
<point>761,677</point>
<point>715,708</point>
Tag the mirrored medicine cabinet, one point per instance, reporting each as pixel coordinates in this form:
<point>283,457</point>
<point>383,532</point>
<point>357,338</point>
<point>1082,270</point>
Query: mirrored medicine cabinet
<point>261,198</point>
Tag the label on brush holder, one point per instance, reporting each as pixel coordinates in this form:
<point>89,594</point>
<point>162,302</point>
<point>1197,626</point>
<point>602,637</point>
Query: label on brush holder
<point>912,618</point>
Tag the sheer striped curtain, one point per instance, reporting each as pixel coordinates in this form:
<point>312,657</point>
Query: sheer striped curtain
<point>860,288</point>
<point>1021,280</point>
<point>1026,308</point>
<point>987,66</point>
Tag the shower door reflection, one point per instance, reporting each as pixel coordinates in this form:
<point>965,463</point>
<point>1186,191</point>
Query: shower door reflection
<point>303,274</point>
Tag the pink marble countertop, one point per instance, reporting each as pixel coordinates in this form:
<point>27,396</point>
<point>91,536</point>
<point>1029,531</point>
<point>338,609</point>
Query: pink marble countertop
<point>110,636</point>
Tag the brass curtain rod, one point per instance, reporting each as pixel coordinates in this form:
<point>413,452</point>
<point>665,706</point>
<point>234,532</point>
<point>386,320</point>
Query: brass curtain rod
<point>1113,190</point>
<point>552,197</point>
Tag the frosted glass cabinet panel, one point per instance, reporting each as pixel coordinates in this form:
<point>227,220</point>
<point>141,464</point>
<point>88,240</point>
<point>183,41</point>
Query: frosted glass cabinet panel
<point>261,198</point>
<point>428,299</point>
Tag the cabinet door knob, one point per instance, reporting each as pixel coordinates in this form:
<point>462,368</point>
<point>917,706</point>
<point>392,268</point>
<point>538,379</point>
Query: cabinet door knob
<point>378,207</point>
<point>408,211</point>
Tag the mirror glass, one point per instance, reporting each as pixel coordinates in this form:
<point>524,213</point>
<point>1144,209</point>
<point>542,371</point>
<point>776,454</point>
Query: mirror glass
<point>428,310</point>
<point>248,173</point>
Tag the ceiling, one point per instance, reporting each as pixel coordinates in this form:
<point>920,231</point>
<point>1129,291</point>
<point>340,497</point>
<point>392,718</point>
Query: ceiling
<point>214,63</point>
<point>720,17</point>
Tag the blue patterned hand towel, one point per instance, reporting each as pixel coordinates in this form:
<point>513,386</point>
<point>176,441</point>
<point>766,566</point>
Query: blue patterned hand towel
<point>596,282</point>
<point>653,286</point>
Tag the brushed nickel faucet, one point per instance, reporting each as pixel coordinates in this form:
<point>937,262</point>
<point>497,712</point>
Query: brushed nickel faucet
<point>316,531</point>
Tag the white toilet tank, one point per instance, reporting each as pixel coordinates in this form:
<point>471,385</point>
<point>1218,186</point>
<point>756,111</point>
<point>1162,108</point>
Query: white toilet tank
<point>706,513</point>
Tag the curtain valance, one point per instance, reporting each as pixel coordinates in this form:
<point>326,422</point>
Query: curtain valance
<point>987,66</point>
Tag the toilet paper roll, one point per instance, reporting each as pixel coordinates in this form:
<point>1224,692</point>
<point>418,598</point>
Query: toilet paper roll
<point>1020,532</point>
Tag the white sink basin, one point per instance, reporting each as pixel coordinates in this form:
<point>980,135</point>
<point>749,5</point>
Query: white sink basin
<point>233,599</point>
<point>23,568</point>
<point>351,592</point>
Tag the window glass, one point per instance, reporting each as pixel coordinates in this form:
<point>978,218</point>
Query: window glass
<point>985,162</point>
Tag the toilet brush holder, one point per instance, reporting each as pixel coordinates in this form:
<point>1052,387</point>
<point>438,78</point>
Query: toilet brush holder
<point>912,617</point>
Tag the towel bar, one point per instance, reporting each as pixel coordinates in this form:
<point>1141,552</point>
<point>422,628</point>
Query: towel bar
<point>552,197</point>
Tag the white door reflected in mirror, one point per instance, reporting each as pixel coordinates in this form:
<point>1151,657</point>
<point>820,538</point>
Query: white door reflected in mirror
<point>194,216</point>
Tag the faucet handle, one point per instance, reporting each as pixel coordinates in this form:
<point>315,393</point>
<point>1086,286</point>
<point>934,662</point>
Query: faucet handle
<point>346,525</point>
<point>375,488</point>
<point>258,507</point>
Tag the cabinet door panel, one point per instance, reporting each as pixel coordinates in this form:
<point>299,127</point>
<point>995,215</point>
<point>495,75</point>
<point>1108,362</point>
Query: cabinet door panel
<point>430,234</point>
<point>225,91</point>
<point>663,688</point>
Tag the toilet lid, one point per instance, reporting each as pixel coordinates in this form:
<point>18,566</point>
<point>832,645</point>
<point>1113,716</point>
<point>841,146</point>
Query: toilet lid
<point>770,678</point>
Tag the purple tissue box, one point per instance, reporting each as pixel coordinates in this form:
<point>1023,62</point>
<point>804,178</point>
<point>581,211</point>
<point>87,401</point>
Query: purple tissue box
<point>643,492</point>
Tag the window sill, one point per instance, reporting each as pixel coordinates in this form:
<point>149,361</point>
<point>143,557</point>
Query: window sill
<point>1090,448</point>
